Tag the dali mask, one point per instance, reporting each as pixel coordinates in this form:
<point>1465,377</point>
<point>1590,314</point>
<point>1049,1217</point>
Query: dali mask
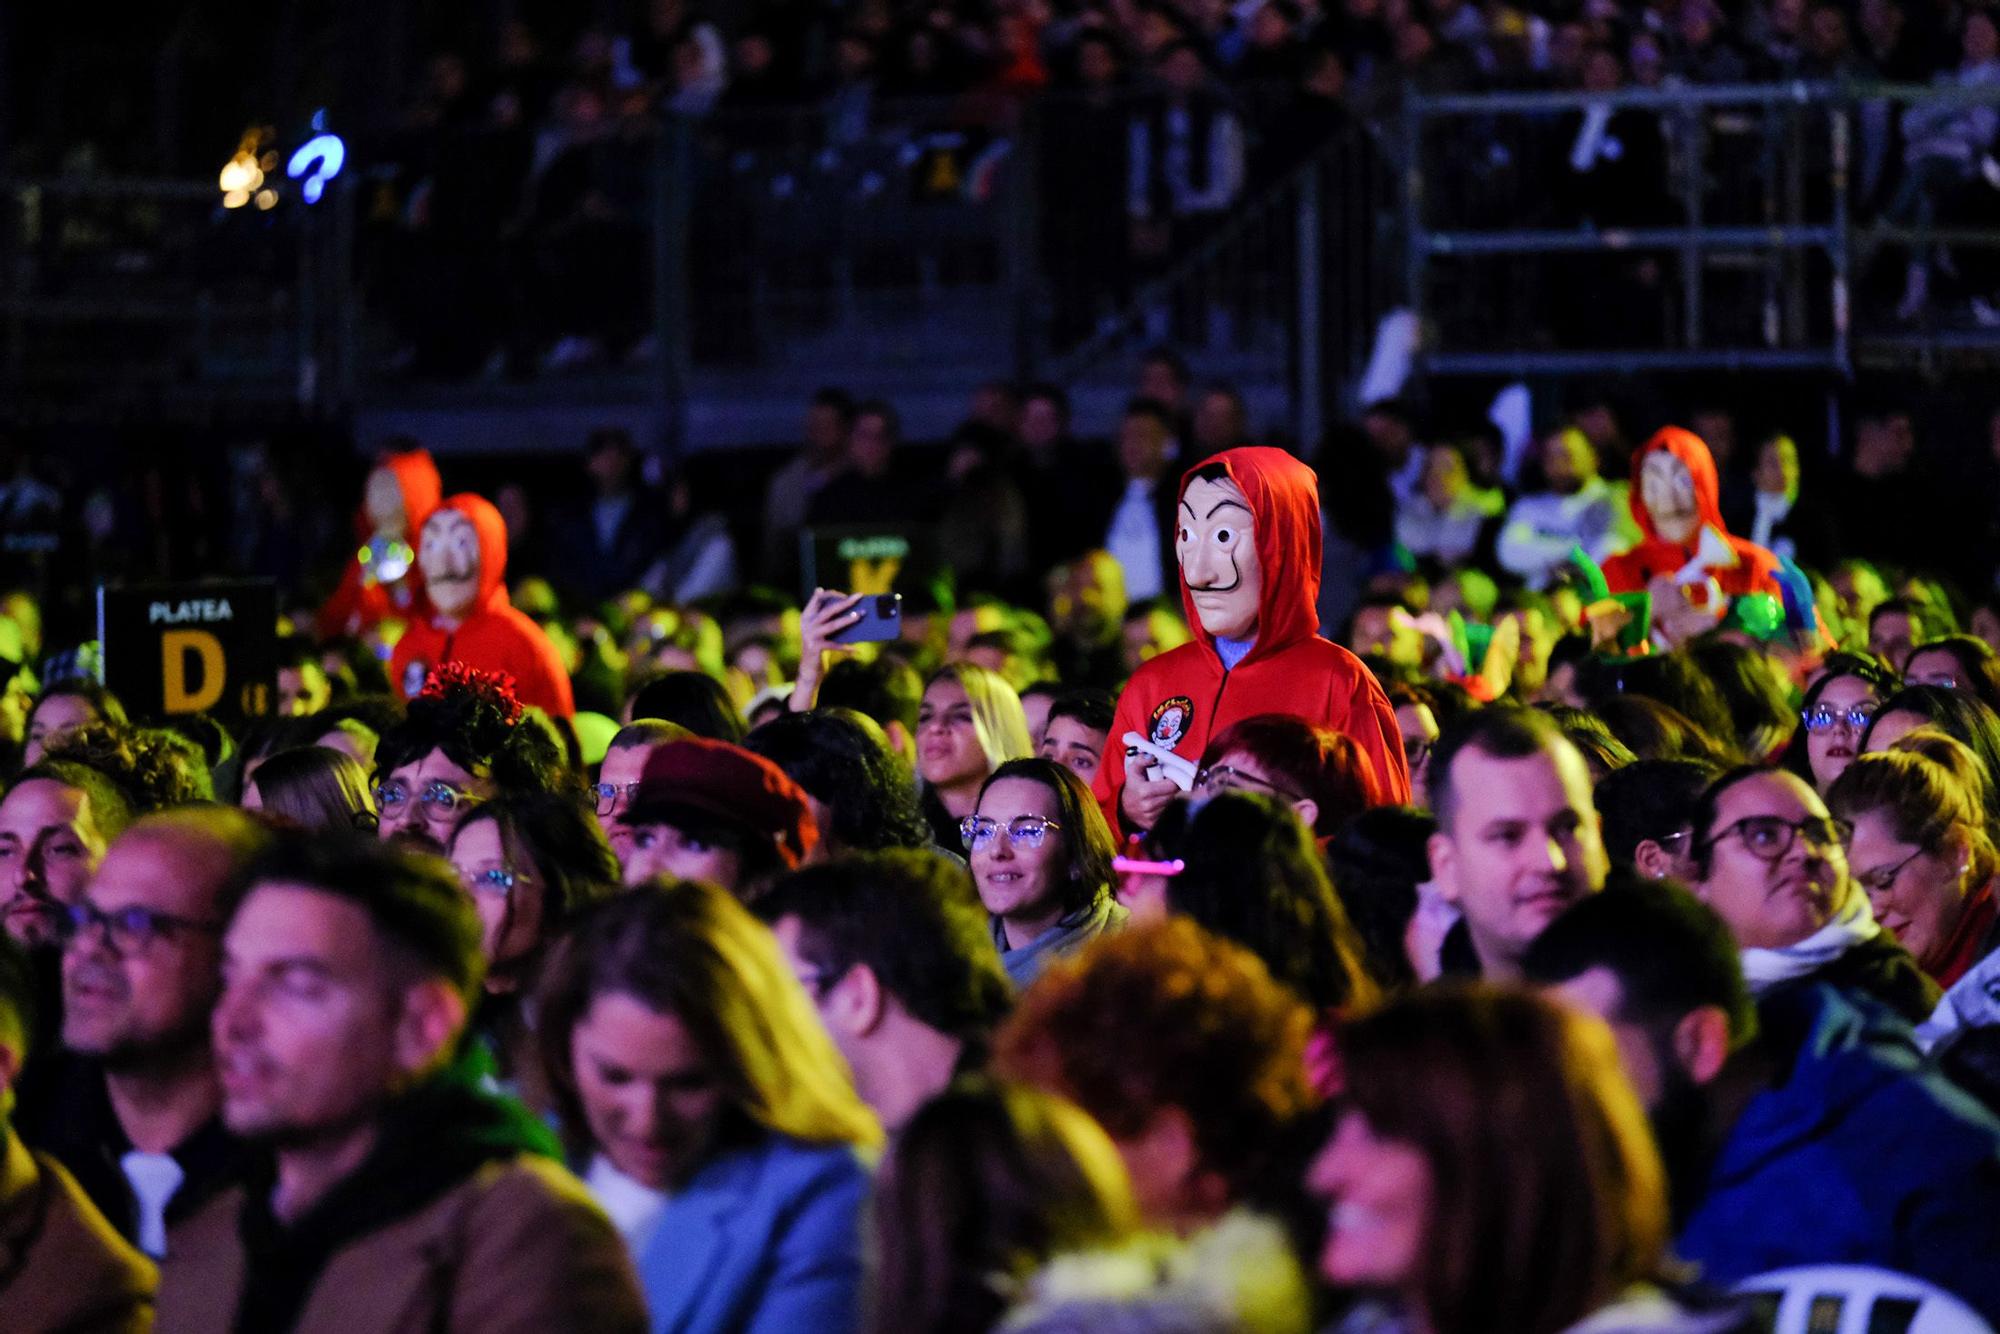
<point>1667,488</point>
<point>1216,545</point>
<point>450,557</point>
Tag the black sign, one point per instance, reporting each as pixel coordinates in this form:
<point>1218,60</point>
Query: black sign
<point>868,558</point>
<point>191,648</point>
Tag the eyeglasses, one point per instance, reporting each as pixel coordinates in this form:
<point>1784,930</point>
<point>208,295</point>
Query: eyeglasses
<point>130,930</point>
<point>391,796</point>
<point>1222,778</point>
<point>1416,751</point>
<point>1770,837</point>
<point>607,794</point>
<point>1821,717</point>
<point>497,880</point>
<point>1672,843</point>
<point>1026,831</point>
<point>1883,878</point>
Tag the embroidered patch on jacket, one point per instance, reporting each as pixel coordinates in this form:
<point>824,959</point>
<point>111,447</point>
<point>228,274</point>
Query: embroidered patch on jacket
<point>1171,721</point>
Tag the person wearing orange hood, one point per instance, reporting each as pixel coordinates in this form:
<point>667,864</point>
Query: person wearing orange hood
<point>1248,543</point>
<point>383,581</point>
<point>1676,500</point>
<point>463,552</point>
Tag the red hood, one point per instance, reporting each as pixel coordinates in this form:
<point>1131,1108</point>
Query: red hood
<point>416,475</point>
<point>1284,499</point>
<point>492,530</point>
<point>1689,449</point>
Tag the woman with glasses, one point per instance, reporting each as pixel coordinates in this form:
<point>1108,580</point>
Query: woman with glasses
<point>709,1112</point>
<point>1321,774</point>
<point>969,724</point>
<point>531,864</point>
<point>313,787</point>
<point>1837,709</point>
<point>1417,721</point>
<point>1041,858</point>
<point>1921,851</point>
<point>1772,862</point>
<point>1957,662</point>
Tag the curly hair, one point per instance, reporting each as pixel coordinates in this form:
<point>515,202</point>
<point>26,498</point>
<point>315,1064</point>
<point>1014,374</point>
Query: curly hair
<point>843,761</point>
<point>157,769</point>
<point>1169,1016</point>
<point>473,717</point>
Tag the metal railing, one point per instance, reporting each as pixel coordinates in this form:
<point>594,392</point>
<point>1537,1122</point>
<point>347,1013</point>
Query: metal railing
<point>1761,226</point>
<point>1763,239</point>
<point>135,298</point>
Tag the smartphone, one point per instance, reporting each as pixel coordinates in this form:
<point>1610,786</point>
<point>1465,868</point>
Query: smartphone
<point>881,621</point>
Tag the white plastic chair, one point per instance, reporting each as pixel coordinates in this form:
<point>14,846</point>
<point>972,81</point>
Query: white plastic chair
<point>1859,1299</point>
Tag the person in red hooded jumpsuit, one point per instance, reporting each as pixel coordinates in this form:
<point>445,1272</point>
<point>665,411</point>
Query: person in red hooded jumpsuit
<point>1675,498</point>
<point>463,553</point>
<point>1248,543</point>
<point>383,581</point>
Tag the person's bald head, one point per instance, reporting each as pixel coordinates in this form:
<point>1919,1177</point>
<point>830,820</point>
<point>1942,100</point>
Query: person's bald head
<point>142,955</point>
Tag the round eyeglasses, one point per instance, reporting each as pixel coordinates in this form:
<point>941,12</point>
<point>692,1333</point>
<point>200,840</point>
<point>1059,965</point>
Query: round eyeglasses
<point>1024,831</point>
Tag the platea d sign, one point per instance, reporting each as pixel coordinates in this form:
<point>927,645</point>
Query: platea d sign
<point>191,648</point>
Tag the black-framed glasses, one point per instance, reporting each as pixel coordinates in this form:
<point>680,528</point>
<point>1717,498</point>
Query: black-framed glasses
<point>1222,777</point>
<point>1416,751</point>
<point>1883,878</point>
<point>1027,831</point>
<point>1673,843</point>
<point>130,930</point>
<point>1770,837</point>
<point>606,795</point>
<point>1822,717</point>
<point>437,793</point>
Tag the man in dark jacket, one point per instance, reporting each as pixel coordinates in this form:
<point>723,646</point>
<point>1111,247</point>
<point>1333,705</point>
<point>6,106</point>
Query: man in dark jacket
<point>391,1193</point>
<point>62,1267</point>
<point>135,1110</point>
<point>1801,1130</point>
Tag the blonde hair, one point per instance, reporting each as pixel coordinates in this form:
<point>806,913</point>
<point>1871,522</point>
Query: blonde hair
<point>997,716</point>
<point>692,951</point>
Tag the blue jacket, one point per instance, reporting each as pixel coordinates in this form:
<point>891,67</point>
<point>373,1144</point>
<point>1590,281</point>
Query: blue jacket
<point>1858,1154</point>
<point>765,1240</point>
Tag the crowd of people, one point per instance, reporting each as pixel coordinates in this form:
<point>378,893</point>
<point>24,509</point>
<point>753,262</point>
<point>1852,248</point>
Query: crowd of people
<point>1455,889</point>
<point>518,186</point>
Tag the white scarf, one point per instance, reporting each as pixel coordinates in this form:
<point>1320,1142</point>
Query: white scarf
<point>1853,924</point>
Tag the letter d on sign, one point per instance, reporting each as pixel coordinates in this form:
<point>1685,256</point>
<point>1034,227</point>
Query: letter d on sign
<point>175,645</point>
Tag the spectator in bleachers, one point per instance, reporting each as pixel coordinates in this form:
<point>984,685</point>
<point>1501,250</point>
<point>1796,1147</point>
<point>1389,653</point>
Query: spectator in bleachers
<point>1139,530</point>
<point>1578,509</point>
<point>1189,157</point>
<point>788,496</point>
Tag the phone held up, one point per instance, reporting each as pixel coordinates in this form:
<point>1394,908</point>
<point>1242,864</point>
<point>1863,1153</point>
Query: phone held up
<point>881,621</point>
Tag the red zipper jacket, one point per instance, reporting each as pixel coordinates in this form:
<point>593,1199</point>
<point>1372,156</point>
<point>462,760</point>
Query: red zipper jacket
<point>495,636</point>
<point>1183,697</point>
<point>358,605</point>
<point>1755,570</point>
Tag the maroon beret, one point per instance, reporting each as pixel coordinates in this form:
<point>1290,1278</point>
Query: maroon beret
<point>729,784</point>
